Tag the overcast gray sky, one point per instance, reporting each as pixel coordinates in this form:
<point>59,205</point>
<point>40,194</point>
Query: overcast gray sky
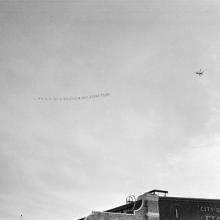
<point>158,128</point>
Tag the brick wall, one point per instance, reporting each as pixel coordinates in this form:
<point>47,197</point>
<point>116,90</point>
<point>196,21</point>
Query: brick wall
<point>149,210</point>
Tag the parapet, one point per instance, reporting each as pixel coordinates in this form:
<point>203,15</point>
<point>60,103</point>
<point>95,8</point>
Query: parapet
<point>152,206</point>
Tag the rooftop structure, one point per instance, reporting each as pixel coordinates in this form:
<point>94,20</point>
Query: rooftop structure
<point>156,205</point>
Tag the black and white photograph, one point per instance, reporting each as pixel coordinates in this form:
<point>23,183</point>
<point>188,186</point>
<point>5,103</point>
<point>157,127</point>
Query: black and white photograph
<point>109,109</point>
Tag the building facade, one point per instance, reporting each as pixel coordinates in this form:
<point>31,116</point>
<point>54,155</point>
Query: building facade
<point>152,206</point>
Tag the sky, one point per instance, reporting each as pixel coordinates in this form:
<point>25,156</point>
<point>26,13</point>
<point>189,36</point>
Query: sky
<point>146,120</point>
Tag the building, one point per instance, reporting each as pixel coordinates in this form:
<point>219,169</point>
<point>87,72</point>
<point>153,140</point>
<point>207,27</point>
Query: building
<point>153,206</point>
